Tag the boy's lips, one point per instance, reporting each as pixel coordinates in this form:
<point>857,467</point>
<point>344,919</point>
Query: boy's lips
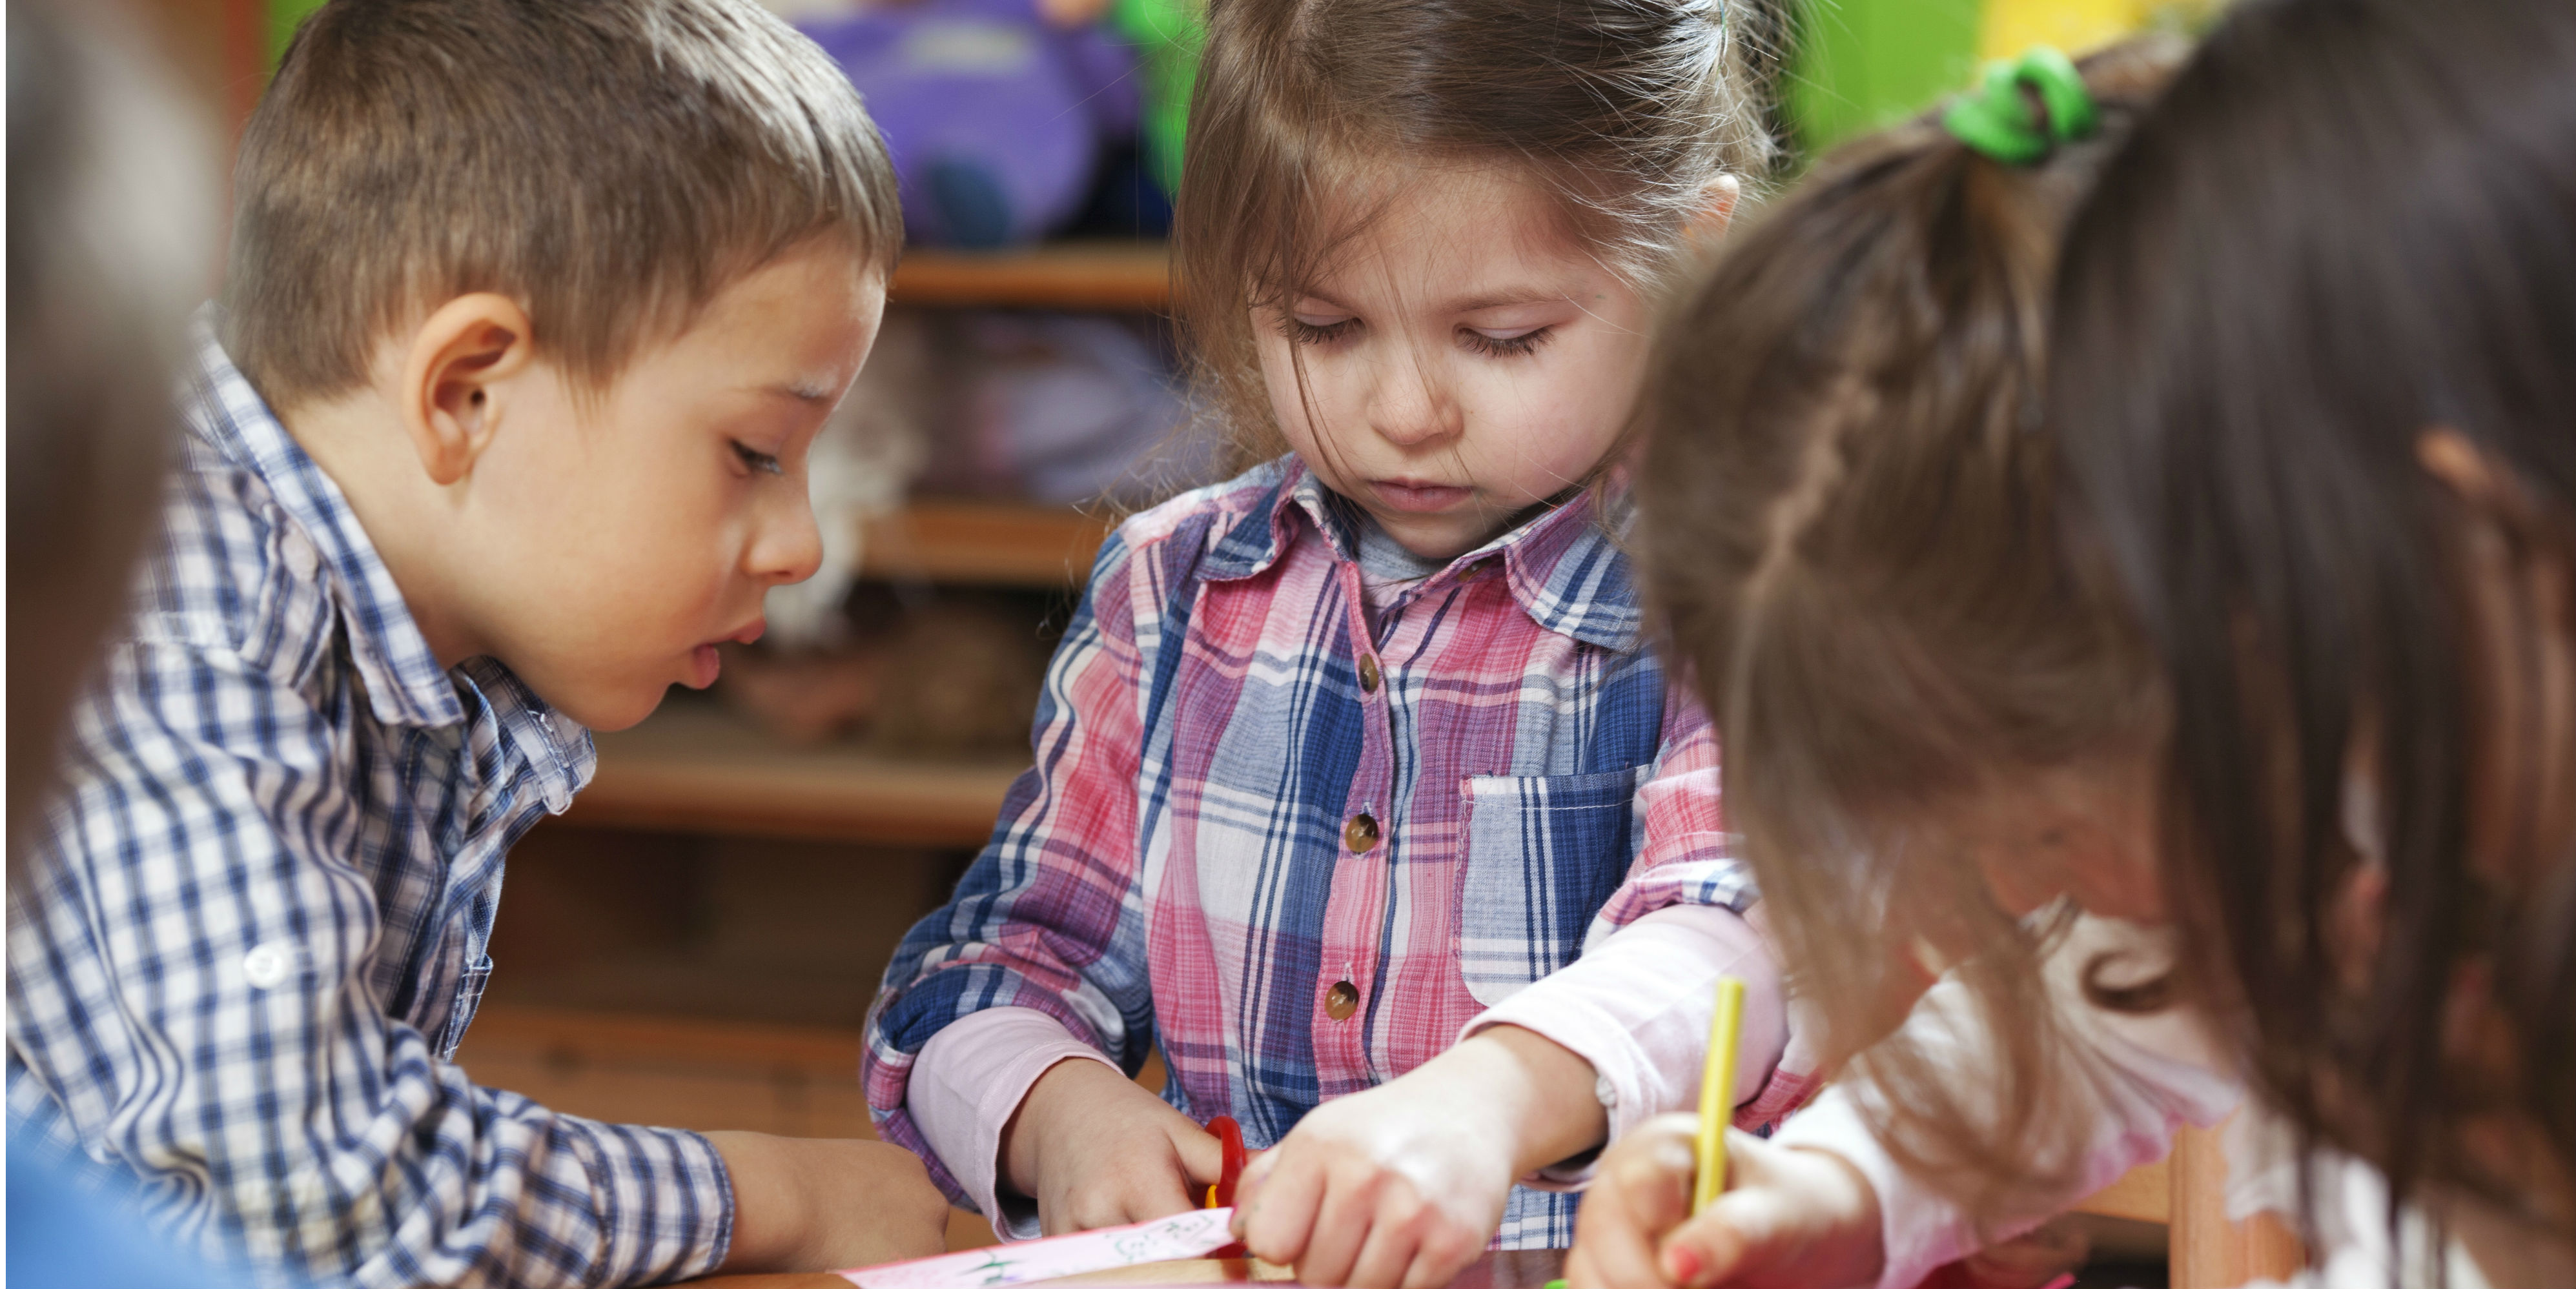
<point>1417,496</point>
<point>705,663</point>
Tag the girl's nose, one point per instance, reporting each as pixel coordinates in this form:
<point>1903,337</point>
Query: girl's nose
<point>788,547</point>
<point>1411,406</point>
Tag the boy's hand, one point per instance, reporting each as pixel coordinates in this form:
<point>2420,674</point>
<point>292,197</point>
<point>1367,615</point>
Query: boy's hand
<point>810,1205</point>
<point>1404,1184</point>
<point>1096,1150</point>
<point>1790,1218</point>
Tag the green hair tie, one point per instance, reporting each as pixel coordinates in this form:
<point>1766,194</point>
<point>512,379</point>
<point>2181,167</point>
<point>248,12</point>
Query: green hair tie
<point>1996,119</point>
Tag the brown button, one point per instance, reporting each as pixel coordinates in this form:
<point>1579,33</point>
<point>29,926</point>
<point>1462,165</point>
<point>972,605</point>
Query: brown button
<point>1341,1000</point>
<point>1360,834</point>
<point>1368,673</point>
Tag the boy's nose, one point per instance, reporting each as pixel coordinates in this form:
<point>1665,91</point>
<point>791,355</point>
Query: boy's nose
<point>1410,406</point>
<point>789,546</point>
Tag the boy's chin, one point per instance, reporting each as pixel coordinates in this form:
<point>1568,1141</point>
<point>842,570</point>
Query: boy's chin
<point>606,706</point>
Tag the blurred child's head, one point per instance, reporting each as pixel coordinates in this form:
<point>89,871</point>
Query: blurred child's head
<point>2315,373</point>
<point>111,240</point>
<point>1847,536</point>
<point>1417,242</point>
<point>591,273</point>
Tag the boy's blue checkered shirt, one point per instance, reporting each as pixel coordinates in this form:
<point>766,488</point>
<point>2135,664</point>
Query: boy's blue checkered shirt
<point>259,910</point>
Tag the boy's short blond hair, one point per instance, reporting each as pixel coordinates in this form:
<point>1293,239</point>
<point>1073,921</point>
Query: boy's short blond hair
<point>610,164</point>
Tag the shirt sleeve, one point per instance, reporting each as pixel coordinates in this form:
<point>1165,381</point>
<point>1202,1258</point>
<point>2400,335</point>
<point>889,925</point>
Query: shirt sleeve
<point>1686,855</point>
<point>967,1082</point>
<point>1046,918</point>
<point>193,1003</point>
<point>2147,1077</point>
<point>1637,1007</point>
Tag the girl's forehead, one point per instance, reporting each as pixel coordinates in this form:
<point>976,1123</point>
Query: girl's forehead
<point>1448,231</point>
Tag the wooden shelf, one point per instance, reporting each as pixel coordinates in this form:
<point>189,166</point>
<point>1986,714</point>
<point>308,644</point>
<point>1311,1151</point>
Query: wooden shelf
<point>1057,275</point>
<point>983,543</point>
<point>696,767</point>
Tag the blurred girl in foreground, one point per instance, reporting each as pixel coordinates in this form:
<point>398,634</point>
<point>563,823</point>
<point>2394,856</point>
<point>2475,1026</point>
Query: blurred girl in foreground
<point>2227,703</point>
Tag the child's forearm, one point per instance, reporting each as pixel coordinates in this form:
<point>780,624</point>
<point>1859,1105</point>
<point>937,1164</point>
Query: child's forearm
<point>1542,1092</point>
<point>1635,1009</point>
<point>803,1204</point>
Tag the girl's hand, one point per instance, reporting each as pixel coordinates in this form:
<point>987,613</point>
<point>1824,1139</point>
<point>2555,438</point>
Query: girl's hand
<point>1096,1150</point>
<point>1404,1184</point>
<point>1790,1218</point>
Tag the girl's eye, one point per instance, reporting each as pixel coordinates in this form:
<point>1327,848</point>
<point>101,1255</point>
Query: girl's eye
<point>1512,346</point>
<point>1301,332</point>
<point>758,460</point>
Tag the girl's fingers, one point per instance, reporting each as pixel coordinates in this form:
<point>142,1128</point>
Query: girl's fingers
<point>1277,1212</point>
<point>1202,1155</point>
<point>1342,1222</point>
<point>1642,1192</point>
<point>1444,1252</point>
<point>1387,1254</point>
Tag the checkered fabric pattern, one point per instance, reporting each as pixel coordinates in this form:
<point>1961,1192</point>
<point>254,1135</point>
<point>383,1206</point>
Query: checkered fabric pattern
<point>259,911</point>
<point>1245,795</point>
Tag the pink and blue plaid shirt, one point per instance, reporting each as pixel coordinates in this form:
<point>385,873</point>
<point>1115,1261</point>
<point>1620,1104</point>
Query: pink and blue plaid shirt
<point>1248,797</point>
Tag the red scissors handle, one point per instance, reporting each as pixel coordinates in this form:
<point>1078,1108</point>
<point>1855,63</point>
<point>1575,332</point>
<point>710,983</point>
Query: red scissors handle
<point>1229,1136</point>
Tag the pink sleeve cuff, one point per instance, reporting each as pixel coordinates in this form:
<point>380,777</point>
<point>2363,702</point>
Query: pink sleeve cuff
<point>965,1085</point>
<point>1636,1006</point>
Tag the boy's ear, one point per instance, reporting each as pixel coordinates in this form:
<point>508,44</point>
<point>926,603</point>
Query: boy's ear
<point>1717,202</point>
<point>453,378</point>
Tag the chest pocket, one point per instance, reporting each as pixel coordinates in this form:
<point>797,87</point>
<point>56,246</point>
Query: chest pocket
<point>1544,853</point>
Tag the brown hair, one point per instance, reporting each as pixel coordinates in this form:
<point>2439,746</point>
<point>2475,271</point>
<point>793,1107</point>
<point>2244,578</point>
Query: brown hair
<point>1846,537</point>
<point>1626,109</point>
<point>611,164</point>
<point>2345,227</point>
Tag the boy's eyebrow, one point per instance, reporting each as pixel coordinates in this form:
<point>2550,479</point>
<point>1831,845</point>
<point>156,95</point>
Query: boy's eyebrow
<point>803,391</point>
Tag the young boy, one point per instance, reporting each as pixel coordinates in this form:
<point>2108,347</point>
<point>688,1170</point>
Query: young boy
<point>533,311</point>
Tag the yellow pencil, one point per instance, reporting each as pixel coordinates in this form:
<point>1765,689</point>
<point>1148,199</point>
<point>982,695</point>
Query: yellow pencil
<point>1717,1091</point>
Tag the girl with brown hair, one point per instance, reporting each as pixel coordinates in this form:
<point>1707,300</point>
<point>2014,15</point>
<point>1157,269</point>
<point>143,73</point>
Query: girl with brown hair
<point>2211,722</point>
<point>1342,756</point>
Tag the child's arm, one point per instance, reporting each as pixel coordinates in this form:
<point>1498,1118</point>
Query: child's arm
<point>2145,1076</point>
<point>983,1080</point>
<point>1048,921</point>
<point>201,947</point>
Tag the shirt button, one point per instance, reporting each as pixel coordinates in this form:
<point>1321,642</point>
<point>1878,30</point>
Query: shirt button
<point>1360,834</point>
<point>1368,673</point>
<point>268,965</point>
<point>1341,1000</point>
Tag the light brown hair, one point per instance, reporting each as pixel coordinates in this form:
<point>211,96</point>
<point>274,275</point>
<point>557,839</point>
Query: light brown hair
<point>1625,109</point>
<point>610,164</point>
<point>1847,538</point>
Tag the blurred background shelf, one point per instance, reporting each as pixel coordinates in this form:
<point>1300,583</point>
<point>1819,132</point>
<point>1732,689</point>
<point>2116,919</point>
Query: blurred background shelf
<point>983,543</point>
<point>1106,275</point>
<point>696,767</point>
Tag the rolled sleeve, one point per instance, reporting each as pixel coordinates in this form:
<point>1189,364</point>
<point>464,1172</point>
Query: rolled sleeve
<point>967,1083</point>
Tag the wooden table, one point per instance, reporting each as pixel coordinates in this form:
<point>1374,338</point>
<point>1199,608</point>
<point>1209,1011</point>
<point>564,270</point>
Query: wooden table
<point>1527,1269</point>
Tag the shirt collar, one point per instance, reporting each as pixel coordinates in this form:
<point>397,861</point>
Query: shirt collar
<point>1563,565</point>
<point>404,683</point>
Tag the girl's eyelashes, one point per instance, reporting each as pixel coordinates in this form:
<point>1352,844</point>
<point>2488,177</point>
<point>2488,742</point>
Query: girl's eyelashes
<point>1301,332</point>
<point>1512,346</point>
<point>758,460</point>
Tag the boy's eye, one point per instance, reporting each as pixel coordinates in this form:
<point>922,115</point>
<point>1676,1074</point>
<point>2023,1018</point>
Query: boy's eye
<point>1302,332</point>
<point>758,460</point>
<point>1508,345</point>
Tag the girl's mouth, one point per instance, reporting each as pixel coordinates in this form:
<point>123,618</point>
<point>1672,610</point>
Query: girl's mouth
<point>1416,497</point>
